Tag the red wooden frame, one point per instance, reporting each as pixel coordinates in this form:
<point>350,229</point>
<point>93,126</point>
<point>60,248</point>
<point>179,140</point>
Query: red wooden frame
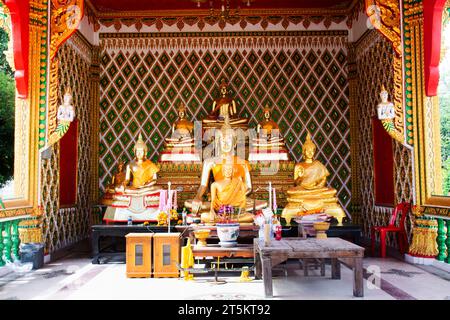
<point>20,17</point>
<point>432,19</point>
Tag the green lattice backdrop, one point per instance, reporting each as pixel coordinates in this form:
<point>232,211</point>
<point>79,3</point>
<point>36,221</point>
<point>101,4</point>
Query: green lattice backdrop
<point>307,86</point>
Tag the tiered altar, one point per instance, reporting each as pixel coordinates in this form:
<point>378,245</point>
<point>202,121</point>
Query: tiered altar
<point>217,163</point>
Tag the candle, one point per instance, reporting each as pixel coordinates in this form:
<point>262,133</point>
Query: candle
<point>175,204</point>
<point>274,201</point>
<point>169,205</point>
<point>267,232</point>
<point>270,195</point>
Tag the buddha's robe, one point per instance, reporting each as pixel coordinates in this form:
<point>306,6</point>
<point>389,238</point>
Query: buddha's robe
<point>231,193</point>
<point>143,174</point>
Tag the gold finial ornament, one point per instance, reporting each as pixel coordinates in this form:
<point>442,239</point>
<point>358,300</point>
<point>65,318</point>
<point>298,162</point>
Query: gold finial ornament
<point>308,143</point>
<point>68,91</point>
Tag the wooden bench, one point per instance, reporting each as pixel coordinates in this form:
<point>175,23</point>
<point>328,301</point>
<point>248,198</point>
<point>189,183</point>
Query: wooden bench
<point>336,249</point>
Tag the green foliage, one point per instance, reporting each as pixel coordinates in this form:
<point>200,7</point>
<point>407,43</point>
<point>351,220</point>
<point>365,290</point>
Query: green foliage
<point>444,106</point>
<point>7,101</point>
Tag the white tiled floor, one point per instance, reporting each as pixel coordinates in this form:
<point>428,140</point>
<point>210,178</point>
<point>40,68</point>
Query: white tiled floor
<point>77,278</point>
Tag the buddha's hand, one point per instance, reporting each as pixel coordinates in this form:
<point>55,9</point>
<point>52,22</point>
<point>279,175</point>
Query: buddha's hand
<point>120,188</point>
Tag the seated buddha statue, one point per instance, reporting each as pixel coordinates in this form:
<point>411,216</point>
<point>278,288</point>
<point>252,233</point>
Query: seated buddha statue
<point>180,146</point>
<point>227,190</point>
<point>118,178</point>
<point>141,173</point>
<point>135,194</point>
<point>268,145</point>
<point>222,107</point>
<point>310,193</point>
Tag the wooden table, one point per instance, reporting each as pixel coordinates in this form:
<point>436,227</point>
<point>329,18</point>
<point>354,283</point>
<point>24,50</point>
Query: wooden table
<point>338,250</point>
<point>240,251</point>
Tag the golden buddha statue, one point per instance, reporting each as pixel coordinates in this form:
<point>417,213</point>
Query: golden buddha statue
<point>310,194</point>
<point>181,145</point>
<point>228,190</point>
<point>268,124</point>
<point>182,126</point>
<point>133,193</point>
<point>141,173</point>
<point>223,107</point>
<point>268,145</point>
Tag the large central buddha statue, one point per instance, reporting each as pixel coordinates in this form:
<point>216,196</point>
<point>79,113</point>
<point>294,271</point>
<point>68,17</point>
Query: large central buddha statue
<point>223,107</point>
<point>232,182</point>
<point>310,194</point>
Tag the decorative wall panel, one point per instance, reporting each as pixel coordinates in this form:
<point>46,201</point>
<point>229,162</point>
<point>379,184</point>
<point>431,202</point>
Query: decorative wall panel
<point>65,226</point>
<point>302,75</point>
<point>374,68</point>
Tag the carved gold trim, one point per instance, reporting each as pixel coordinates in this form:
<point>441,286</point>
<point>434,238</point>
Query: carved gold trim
<point>386,20</point>
<point>65,17</point>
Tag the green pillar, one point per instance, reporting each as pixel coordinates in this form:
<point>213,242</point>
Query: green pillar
<point>15,239</point>
<point>7,242</point>
<point>448,241</point>
<point>2,262</point>
<point>441,240</point>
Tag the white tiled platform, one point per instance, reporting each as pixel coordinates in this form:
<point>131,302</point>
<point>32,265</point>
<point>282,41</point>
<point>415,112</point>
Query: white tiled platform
<point>76,278</point>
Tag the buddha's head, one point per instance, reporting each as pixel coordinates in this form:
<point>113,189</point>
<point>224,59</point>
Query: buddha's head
<point>267,112</point>
<point>67,99</point>
<point>227,170</point>
<point>140,149</point>
<point>223,87</point>
<point>384,95</point>
<point>182,110</point>
<point>120,166</point>
<point>227,137</point>
<point>309,148</point>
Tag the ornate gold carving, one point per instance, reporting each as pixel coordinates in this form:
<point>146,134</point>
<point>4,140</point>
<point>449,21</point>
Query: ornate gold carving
<point>65,17</point>
<point>385,17</point>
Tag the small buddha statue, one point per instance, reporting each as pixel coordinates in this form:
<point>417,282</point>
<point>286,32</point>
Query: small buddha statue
<point>223,107</point>
<point>385,109</point>
<point>66,111</point>
<point>267,124</point>
<point>141,173</point>
<point>226,188</point>
<point>310,193</point>
<point>181,145</point>
<point>268,145</point>
<point>118,178</point>
<point>183,127</point>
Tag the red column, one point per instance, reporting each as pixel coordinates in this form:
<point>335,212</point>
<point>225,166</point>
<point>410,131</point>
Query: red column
<point>432,18</point>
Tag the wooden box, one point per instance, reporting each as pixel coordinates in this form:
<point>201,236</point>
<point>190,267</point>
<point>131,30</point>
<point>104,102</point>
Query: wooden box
<point>166,254</point>
<point>139,255</point>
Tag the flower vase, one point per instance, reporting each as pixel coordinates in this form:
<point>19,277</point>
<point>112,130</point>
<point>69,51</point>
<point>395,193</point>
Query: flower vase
<point>228,234</point>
